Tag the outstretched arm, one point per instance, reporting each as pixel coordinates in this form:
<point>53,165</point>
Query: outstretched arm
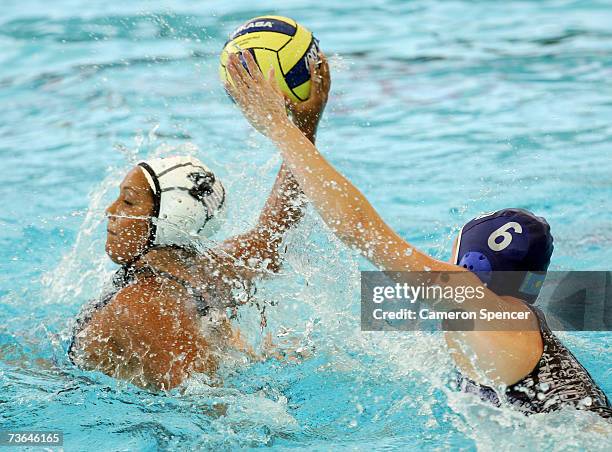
<point>341,205</point>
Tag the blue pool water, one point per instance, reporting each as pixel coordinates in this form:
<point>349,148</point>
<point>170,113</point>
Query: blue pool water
<point>439,111</point>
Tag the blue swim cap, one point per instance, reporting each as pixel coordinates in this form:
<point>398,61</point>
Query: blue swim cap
<point>509,240</point>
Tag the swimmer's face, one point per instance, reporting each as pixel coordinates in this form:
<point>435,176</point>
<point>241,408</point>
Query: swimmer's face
<point>128,218</point>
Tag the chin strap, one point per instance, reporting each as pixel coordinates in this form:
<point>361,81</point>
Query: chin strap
<point>156,189</point>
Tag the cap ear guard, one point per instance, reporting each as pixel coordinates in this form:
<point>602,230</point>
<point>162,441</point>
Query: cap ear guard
<point>477,263</point>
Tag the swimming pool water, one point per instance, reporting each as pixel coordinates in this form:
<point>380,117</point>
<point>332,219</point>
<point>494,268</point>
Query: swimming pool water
<point>439,111</point>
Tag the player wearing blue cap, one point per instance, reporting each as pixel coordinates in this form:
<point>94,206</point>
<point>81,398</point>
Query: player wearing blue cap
<point>529,367</point>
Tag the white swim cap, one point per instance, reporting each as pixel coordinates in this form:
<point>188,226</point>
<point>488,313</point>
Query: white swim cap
<point>188,200</point>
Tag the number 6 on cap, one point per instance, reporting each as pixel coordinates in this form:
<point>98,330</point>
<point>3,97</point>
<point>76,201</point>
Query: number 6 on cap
<point>503,232</point>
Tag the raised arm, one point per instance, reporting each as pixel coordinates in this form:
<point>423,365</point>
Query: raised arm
<point>341,205</point>
<point>259,248</point>
<point>257,251</point>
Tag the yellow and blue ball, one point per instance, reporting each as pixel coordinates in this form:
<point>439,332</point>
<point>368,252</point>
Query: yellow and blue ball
<point>277,42</point>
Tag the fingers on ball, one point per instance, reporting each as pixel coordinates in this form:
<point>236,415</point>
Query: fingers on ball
<point>252,66</point>
<point>236,69</point>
